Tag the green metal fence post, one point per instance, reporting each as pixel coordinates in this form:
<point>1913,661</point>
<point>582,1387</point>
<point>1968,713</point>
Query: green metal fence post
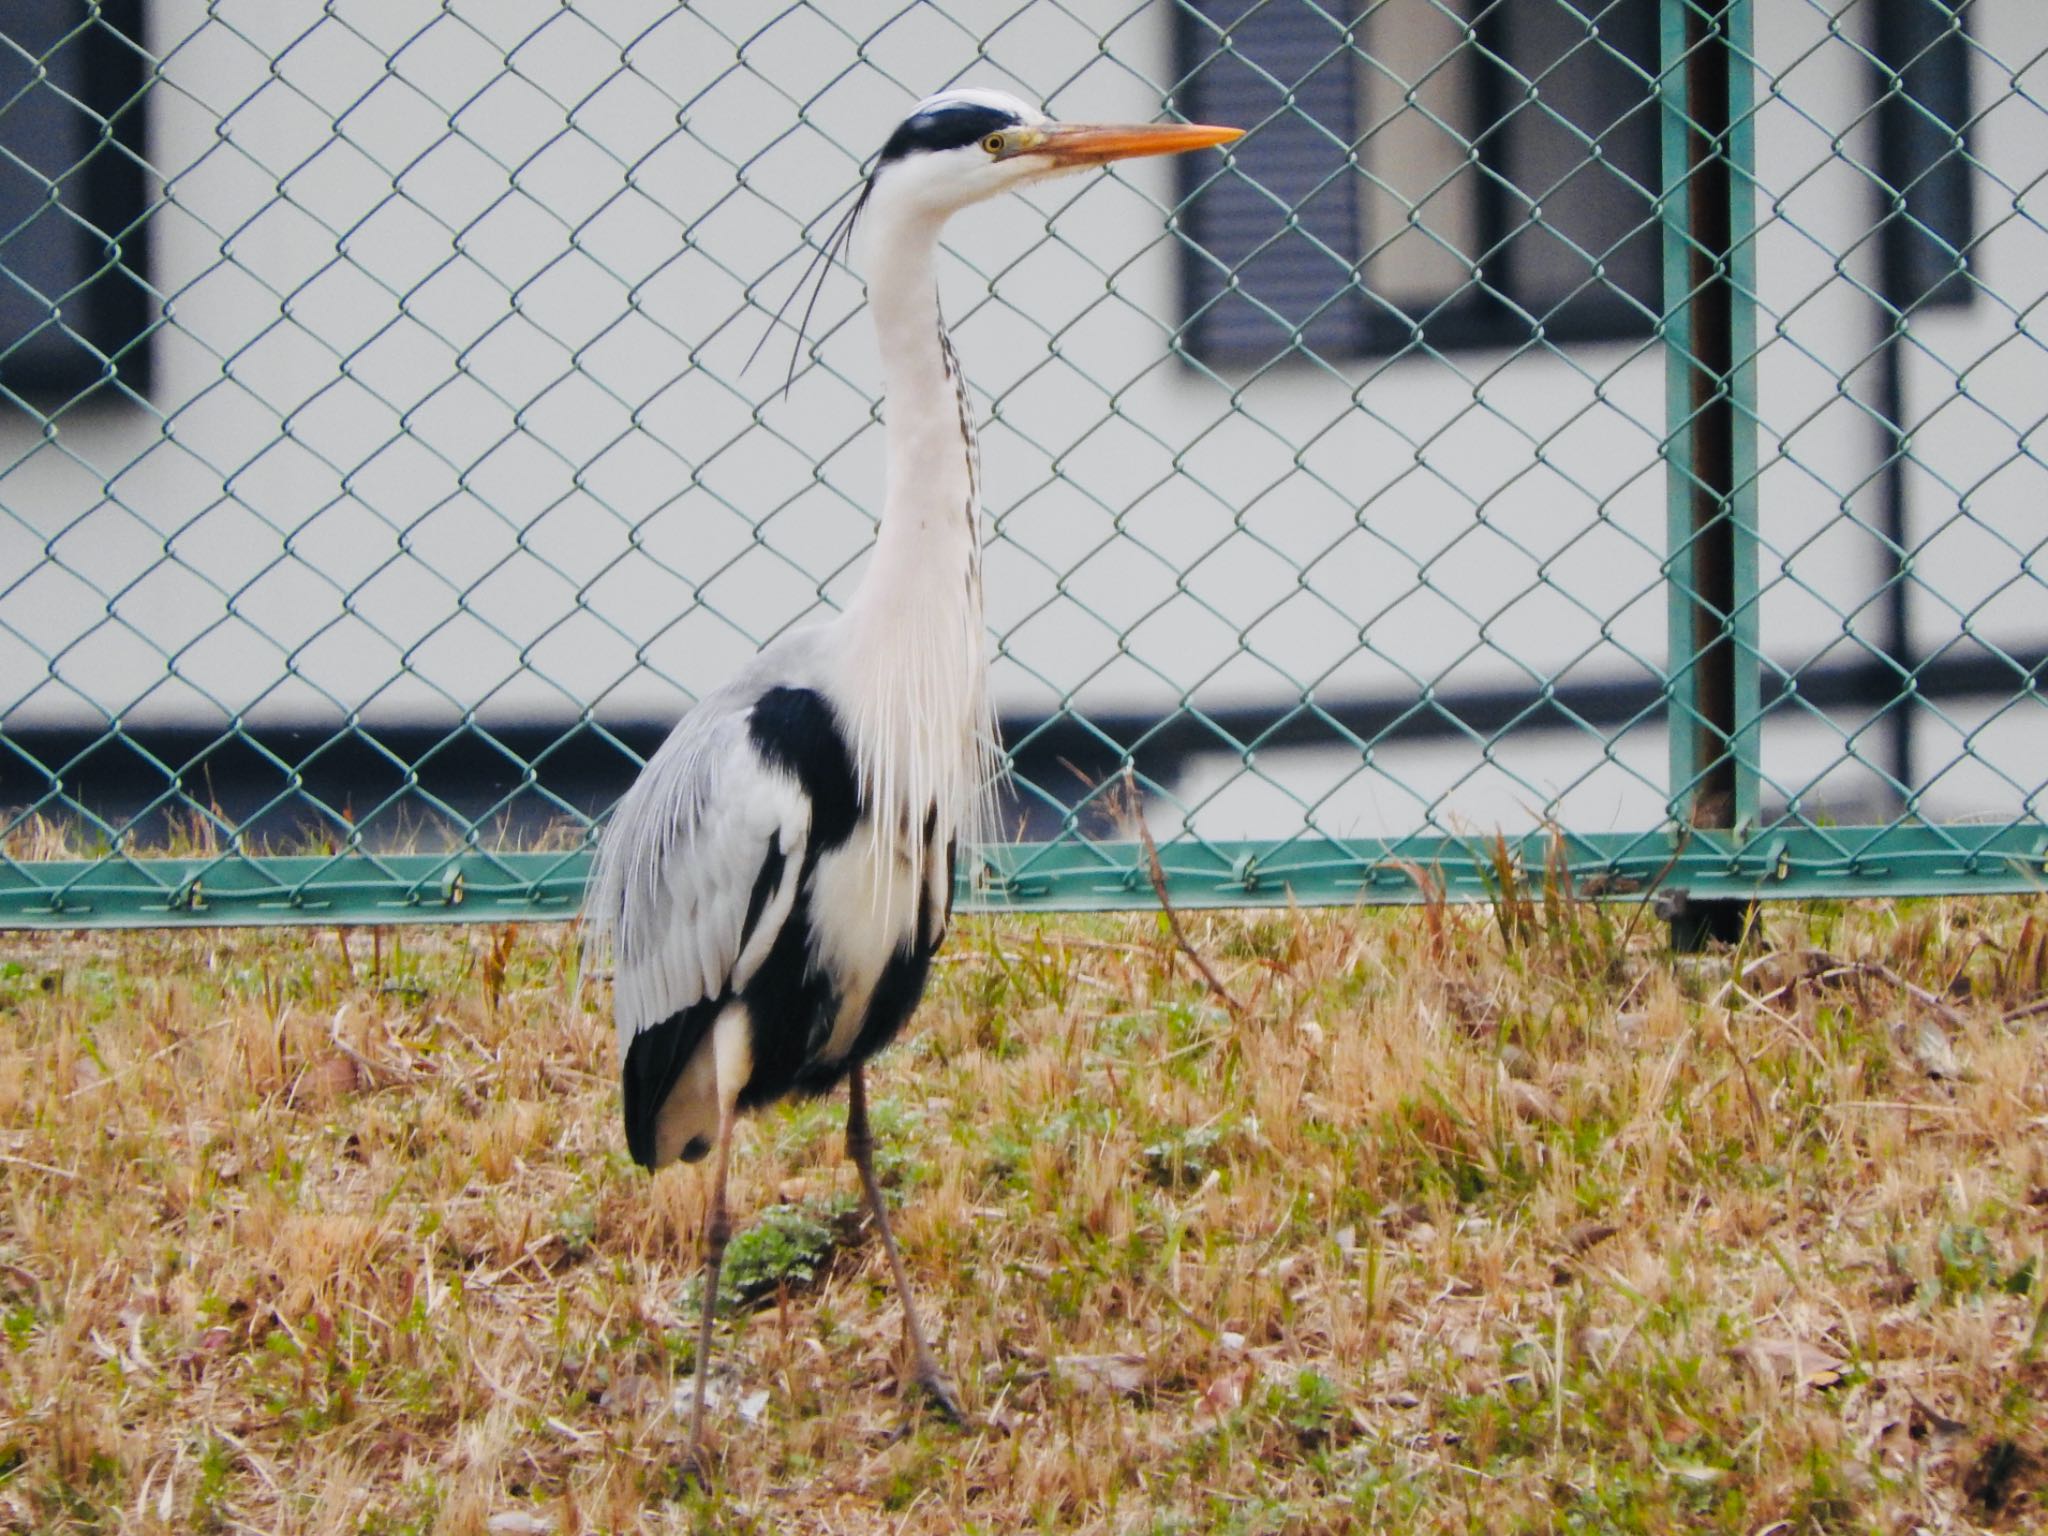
<point>1710,450</point>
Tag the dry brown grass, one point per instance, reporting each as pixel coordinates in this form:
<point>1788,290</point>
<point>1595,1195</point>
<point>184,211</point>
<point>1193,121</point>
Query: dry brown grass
<point>1474,1220</point>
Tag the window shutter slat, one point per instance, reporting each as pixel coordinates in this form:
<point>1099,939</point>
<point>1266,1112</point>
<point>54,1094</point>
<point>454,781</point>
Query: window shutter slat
<point>1284,221</point>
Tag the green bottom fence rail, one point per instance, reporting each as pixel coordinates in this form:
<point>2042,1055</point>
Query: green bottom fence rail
<point>513,887</point>
<point>1554,415</point>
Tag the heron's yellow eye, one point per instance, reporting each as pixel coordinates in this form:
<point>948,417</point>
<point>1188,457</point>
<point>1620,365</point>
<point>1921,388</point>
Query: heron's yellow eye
<point>994,143</point>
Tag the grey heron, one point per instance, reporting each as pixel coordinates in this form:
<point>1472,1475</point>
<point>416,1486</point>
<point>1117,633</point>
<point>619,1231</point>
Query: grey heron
<point>773,886</point>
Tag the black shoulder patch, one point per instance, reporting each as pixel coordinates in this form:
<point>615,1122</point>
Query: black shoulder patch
<point>795,730</point>
<point>949,127</point>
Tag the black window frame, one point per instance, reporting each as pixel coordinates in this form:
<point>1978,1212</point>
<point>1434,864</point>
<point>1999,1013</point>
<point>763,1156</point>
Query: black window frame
<point>111,307</point>
<point>1926,189</point>
<point>1922,131</point>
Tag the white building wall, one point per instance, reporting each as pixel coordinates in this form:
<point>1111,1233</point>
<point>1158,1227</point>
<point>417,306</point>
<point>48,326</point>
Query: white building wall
<point>453,411</point>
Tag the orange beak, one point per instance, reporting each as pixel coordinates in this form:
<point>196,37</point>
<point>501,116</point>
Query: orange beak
<point>1077,144</point>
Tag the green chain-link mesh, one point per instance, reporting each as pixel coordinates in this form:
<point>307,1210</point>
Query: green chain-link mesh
<point>1586,435</point>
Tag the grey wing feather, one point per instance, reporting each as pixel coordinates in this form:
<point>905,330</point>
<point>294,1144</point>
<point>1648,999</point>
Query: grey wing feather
<point>679,862</point>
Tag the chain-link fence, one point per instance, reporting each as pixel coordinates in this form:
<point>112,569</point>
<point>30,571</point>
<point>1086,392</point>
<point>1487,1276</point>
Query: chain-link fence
<point>1605,424</point>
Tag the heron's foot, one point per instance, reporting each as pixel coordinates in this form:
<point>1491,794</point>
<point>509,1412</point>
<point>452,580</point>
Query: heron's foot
<point>693,1469</point>
<point>943,1397</point>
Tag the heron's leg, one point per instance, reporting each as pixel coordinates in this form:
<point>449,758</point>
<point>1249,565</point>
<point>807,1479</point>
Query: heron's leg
<point>860,1147</point>
<point>717,1229</point>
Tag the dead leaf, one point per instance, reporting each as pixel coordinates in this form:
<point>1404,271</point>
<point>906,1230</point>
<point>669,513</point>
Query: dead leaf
<point>1102,1373</point>
<point>1774,1358</point>
<point>1530,1102</point>
<point>1678,1430</point>
<point>1695,1474</point>
<point>684,1398</point>
<point>633,1393</point>
<point>1225,1395</point>
<point>1588,1234</point>
<point>211,1345</point>
<point>1577,1240</point>
<point>329,1080</point>
<point>520,1522</point>
<point>1929,1048</point>
<point>1603,1346</point>
<point>1399,1218</point>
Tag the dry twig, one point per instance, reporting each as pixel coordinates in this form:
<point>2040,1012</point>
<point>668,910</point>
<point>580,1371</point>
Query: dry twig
<point>1158,875</point>
<point>29,1162</point>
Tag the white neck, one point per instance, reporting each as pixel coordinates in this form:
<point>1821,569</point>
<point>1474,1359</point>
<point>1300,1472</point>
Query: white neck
<point>931,512</point>
<point>917,671</point>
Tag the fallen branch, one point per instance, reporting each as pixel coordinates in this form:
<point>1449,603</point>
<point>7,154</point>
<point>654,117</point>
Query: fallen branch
<point>1180,937</point>
<point>154,1056</point>
<point>23,1277</point>
<point>1656,884</point>
<point>1825,968</point>
<point>1920,995</point>
<point>29,1162</point>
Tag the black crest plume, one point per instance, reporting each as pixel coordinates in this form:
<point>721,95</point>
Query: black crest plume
<point>833,248</point>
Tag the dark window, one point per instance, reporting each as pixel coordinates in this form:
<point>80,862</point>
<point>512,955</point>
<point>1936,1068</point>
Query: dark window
<point>1923,58</point>
<point>1461,172</point>
<point>75,308</point>
<point>1481,172</point>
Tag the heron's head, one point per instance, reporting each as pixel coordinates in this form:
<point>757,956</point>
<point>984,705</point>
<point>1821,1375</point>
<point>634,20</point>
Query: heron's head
<point>965,145</point>
<point>962,146</point>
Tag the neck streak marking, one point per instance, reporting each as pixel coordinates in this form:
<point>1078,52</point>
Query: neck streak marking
<point>971,446</point>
